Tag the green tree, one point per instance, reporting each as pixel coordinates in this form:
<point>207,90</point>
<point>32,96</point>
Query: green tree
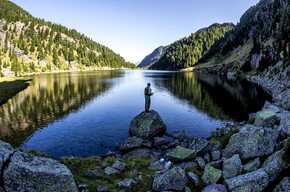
<point>5,26</point>
<point>32,47</point>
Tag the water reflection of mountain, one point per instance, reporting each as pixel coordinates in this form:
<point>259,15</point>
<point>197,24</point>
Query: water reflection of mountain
<point>215,95</point>
<point>47,99</point>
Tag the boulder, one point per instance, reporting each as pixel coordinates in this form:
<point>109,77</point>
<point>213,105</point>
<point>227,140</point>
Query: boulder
<point>174,179</point>
<point>27,172</point>
<point>131,143</point>
<point>159,141</point>
<point>215,188</point>
<point>159,164</point>
<point>254,181</point>
<point>252,142</point>
<point>215,155</point>
<point>93,173</point>
<point>271,107</point>
<point>232,167</point>
<point>101,188</point>
<point>185,165</point>
<point>180,154</point>
<point>211,175</point>
<point>147,125</point>
<point>284,185</point>
<point>111,171</point>
<point>206,157</point>
<point>193,178</point>
<point>285,127</point>
<point>216,164</point>
<point>119,165</point>
<point>274,165</point>
<point>5,151</point>
<point>252,165</point>
<point>126,184</point>
<point>181,136</point>
<point>201,146</point>
<point>200,162</point>
<point>137,152</point>
<point>265,118</point>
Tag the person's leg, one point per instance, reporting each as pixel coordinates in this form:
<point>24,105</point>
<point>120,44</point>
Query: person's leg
<point>147,105</point>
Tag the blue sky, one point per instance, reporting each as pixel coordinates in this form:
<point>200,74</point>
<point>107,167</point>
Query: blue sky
<point>134,28</point>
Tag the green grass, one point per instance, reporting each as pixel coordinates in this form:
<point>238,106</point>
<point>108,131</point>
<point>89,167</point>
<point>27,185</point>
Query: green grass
<point>197,170</point>
<point>79,166</point>
<point>9,88</point>
<point>39,154</point>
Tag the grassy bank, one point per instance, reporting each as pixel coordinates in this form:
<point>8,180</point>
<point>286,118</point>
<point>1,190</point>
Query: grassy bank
<point>9,87</point>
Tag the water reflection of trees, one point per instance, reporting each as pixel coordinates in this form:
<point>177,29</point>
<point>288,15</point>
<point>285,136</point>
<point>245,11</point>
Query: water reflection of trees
<point>216,95</point>
<point>48,98</point>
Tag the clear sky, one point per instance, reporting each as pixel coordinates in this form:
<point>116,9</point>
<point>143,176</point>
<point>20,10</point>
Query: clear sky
<point>134,28</point>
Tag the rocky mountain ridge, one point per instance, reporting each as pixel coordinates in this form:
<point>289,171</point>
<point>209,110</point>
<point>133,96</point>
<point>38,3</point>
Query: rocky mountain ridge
<point>153,57</point>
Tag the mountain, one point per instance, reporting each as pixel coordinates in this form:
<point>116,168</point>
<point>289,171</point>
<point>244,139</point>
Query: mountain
<point>187,51</point>
<point>153,57</point>
<point>29,44</point>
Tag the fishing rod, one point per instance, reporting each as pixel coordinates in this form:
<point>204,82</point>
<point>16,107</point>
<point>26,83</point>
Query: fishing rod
<point>158,91</point>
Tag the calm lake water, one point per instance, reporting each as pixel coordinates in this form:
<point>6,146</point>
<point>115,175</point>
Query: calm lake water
<point>73,113</point>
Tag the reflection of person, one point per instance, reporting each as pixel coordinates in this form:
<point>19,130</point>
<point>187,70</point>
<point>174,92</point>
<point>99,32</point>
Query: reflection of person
<point>147,93</point>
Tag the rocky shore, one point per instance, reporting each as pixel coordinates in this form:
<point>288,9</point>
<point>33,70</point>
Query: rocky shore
<point>248,156</point>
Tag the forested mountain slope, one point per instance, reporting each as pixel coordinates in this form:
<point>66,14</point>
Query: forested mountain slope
<point>187,51</point>
<point>153,57</point>
<point>28,44</point>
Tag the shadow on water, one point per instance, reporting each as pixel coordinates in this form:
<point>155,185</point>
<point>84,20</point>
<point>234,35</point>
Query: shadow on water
<point>49,98</point>
<point>219,97</point>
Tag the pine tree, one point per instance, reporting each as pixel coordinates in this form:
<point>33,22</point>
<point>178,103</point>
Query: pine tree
<point>26,50</point>
<point>32,47</point>
<point>71,55</point>
<point>5,26</point>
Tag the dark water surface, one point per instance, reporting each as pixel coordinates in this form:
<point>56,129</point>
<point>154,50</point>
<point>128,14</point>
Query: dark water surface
<point>73,113</point>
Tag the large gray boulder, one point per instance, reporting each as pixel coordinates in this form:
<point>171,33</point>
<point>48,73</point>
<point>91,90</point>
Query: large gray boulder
<point>5,151</point>
<point>27,172</point>
<point>137,152</point>
<point>252,142</point>
<point>211,175</point>
<point>283,186</point>
<point>180,154</point>
<point>265,118</point>
<point>147,125</point>
<point>174,179</point>
<point>232,167</point>
<point>255,181</point>
<point>274,165</point>
<point>131,143</point>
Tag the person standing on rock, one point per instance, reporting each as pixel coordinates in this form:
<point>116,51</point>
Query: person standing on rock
<point>148,93</point>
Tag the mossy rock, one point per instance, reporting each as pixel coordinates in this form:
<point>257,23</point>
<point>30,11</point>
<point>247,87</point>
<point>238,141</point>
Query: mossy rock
<point>211,175</point>
<point>265,118</point>
<point>147,125</point>
<point>181,154</point>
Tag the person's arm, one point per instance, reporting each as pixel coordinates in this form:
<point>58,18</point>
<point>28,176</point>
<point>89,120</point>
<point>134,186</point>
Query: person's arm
<point>150,92</point>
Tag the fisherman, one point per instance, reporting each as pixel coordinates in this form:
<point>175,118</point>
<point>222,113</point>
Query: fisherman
<point>147,93</point>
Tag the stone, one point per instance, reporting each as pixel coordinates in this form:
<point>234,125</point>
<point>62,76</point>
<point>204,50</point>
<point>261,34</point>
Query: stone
<point>173,144</point>
<point>201,146</point>
<point>147,144</point>
<point>185,165</point>
<point>111,171</point>
<point>193,178</point>
<point>174,179</point>
<point>252,165</point>
<point>147,125</point>
<point>200,162</point>
<point>81,187</point>
<point>119,165</point>
<point>216,164</point>
<point>137,152</point>
<point>232,167</point>
<point>27,172</point>
<point>157,165</point>
<point>180,154</point>
<point>252,142</point>
<point>181,136</point>
<point>131,143</point>
<point>126,184</point>
<point>5,151</point>
<point>274,165</point>
<point>271,107</point>
<point>215,155</point>
<point>206,157</point>
<point>101,188</point>
<point>254,181</point>
<point>283,186</point>
<point>159,141</point>
<point>285,127</point>
<point>168,165</point>
<point>187,189</point>
<point>211,175</point>
<point>215,188</point>
<point>92,173</point>
<point>265,118</point>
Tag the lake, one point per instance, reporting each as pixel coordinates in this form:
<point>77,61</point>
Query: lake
<point>86,113</point>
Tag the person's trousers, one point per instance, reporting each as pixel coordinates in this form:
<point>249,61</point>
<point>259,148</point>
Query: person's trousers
<point>147,103</point>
